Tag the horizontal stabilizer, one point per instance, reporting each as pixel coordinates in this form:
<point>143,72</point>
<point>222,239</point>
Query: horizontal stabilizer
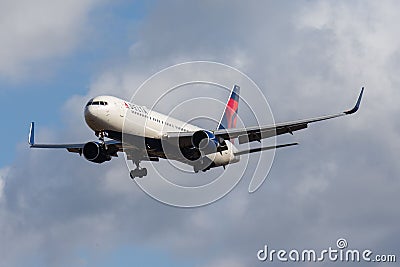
<point>259,149</point>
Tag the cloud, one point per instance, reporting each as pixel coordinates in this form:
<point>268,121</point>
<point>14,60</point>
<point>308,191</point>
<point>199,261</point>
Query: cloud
<point>3,173</point>
<point>32,32</point>
<point>342,181</point>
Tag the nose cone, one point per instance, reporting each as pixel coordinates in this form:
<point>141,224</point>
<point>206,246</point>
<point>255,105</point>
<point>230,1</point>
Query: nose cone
<point>96,114</point>
<point>91,117</point>
<point>89,113</point>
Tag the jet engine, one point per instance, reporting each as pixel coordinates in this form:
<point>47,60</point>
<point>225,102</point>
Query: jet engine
<point>206,142</point>
<point>95,152</point>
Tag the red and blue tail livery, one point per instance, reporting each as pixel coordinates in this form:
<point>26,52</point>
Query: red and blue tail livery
<point>229,117</point>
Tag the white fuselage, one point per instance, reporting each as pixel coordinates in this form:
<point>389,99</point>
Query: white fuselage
<point>108,113</point>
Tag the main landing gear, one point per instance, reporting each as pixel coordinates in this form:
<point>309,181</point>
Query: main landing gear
<point>138,172</point>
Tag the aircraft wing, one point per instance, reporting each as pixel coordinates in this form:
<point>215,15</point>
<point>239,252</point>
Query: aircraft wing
<point>76,148</point>
<point>260,132</point>
<point>113,146</point>
<point>256,133</point>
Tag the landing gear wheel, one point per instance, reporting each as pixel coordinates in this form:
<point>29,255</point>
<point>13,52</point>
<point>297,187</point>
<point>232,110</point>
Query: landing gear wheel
<point>138,173</point>
<point>144,171</point>
<point>132,174</point>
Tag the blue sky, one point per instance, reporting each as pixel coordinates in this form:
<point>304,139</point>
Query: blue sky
<point>309,58</point>
<point>112,31</point>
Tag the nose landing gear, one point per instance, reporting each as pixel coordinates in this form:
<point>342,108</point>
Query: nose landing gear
<point>101,135</point>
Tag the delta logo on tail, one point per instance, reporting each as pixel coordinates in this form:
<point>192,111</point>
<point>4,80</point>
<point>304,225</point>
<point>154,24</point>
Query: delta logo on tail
<point>229,117</point>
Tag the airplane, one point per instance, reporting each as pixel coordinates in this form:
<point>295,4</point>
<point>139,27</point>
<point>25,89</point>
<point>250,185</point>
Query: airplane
<point>146,135</point>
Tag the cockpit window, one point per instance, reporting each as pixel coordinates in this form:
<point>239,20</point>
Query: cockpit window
<point>97,103</point>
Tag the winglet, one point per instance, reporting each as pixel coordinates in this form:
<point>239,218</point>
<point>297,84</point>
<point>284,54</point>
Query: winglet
<point>31,138</point>
<point>354,110</point>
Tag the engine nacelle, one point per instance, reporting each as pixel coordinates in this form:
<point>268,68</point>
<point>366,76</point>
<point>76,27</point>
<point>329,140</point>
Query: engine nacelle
<point>205,141</point>
<point>95,152</point>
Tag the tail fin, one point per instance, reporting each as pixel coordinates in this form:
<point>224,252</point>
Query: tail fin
<point>229,117</point>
